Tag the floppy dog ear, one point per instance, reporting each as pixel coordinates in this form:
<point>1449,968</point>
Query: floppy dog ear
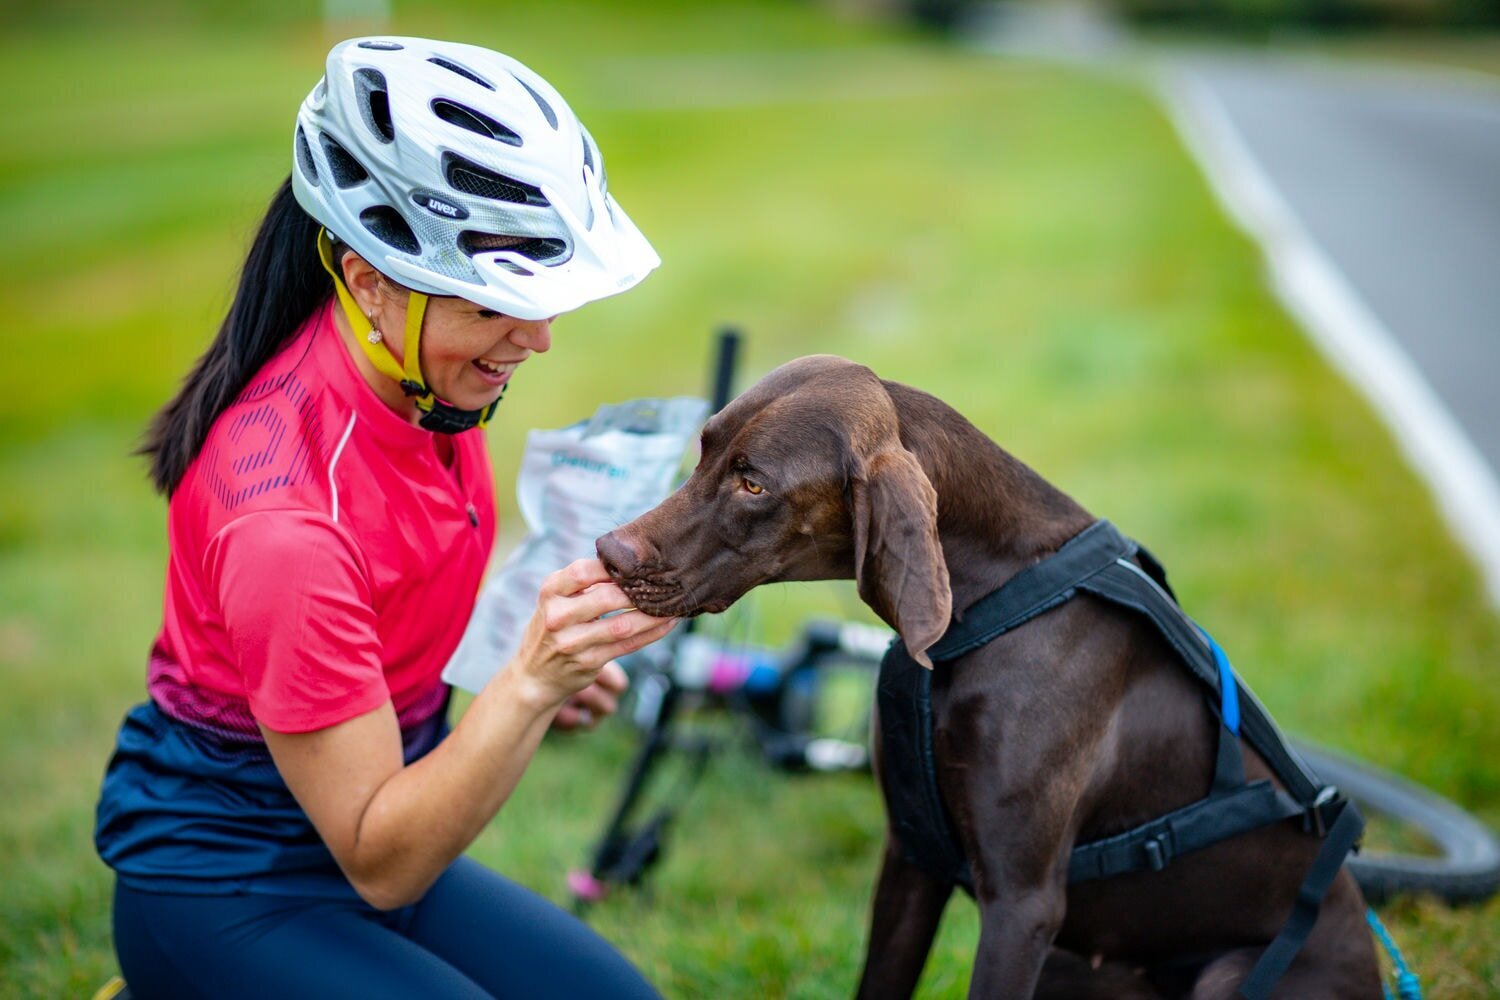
<point>898,561</point>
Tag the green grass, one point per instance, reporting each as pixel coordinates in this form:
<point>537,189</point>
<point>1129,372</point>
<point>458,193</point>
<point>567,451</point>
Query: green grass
<point>1029,243</point>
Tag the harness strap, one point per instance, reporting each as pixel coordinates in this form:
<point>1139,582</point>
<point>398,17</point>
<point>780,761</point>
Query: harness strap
<point>1122,583</point>
<point>1263,734</point>
<point>1280,952</point>
<point>1036,589</point>
<point>1229,763</point>
<point>919,819</point>
<point>1152,846</point>
<point>1154,569</point>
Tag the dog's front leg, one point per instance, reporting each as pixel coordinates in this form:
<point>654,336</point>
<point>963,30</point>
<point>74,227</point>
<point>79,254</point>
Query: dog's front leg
<point>904,917</point>
<point>1016,929</point>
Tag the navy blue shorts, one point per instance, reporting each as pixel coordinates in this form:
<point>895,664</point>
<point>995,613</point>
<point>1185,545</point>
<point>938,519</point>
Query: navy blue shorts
<point>474,934</point>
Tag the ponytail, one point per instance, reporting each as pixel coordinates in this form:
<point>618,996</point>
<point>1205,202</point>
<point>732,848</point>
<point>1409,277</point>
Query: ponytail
<point>282,283</point>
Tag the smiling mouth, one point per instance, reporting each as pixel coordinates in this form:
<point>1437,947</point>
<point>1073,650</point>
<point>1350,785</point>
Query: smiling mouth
<point>495,374</point>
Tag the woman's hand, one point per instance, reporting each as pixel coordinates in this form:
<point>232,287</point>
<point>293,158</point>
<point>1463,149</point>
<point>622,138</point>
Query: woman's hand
<point>567,644</point>
<point>598,701</point>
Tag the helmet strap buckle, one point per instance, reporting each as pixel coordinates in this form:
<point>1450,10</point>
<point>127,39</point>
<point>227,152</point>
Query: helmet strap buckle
<point>442,418</point>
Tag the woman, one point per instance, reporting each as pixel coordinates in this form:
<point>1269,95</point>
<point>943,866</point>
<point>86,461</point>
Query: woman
<point>287,814</point>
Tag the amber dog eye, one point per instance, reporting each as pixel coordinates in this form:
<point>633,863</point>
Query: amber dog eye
<point>754,489</point>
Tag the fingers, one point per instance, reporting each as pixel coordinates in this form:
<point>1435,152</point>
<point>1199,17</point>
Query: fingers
<point>569,645</point>
<point>576,577</point>
<point>571,717</point>
<point>600,599</point>
<point>602,639</point>
<point>654,629</point>
<point>612,678</point>
<point>595,644</point>
<point>576,594</point>
<point>595,700</point>
<point>598,701</point>
<point>590,706</point>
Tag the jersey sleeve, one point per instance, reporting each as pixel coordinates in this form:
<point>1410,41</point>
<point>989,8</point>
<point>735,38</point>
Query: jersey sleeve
<point>295,597</point>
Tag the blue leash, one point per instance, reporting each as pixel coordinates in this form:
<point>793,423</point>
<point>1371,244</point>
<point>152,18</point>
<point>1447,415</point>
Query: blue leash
<point>1408,986</point>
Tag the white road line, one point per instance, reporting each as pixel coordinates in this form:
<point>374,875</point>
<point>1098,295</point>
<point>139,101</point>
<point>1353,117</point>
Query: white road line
<point>1343,326</point>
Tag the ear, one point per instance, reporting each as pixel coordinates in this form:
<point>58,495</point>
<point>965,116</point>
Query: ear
<point>363,282</point>
<point>898,562</point>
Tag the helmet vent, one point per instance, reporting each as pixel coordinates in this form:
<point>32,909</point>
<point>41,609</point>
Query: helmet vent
<point>467,118</point>
<point>463,71</point>
<point>547,111</point>
<point>386,224</point>
<point>470,178</point>
<point>538,248</point>
<point>592,160</point>
<point>304,158</point>
<point>375,103</point>
<point>346,169</point>
<point>381,45</point>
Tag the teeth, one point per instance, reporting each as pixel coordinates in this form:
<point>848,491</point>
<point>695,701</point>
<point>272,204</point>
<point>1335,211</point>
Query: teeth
<point>491,368</point>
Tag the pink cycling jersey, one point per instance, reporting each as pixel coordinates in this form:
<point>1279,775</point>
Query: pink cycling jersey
<point>323,558</point>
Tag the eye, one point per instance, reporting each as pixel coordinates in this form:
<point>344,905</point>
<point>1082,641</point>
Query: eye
<point>751,486</point>
<point>488,314</point>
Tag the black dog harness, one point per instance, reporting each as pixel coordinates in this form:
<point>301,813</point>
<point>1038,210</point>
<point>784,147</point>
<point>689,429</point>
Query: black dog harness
<point>1102,562</point>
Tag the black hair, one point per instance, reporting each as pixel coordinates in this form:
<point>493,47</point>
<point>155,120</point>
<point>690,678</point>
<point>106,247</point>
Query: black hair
<point>281,285</point>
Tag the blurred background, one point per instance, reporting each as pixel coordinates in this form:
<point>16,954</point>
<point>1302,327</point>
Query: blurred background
<point>1036,211</point>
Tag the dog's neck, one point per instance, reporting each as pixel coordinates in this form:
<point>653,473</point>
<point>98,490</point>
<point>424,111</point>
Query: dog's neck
<point>995,515</point>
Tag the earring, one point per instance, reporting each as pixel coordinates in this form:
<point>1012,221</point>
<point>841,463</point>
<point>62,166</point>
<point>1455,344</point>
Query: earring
<point>374,336</point>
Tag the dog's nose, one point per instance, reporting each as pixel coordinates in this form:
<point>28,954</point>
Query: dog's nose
<point>618,555</point>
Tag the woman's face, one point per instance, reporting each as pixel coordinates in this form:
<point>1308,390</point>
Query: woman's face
<point>469,352</point>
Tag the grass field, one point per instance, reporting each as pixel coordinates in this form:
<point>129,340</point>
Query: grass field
<point>1030,243</point>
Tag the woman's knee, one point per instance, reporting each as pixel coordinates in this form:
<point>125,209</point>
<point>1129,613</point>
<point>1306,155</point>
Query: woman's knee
<point>515,942</point>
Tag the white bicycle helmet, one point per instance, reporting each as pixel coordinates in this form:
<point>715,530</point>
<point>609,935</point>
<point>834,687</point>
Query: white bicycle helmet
<point>455,170</point>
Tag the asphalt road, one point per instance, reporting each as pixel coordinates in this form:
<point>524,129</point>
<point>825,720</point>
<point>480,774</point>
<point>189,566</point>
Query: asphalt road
<point>1396,176</point>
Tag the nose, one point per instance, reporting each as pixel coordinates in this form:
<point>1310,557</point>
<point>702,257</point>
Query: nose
<point>618,555</point>
<point>534,335</point>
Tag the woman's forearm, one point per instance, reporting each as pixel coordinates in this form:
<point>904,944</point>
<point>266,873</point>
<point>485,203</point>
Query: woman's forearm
<point>427,814</point>
<point>415,820</point>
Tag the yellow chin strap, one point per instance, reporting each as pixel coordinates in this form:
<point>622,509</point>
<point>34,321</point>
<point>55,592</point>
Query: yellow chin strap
<point>436,414</point>
<point>380,355</point>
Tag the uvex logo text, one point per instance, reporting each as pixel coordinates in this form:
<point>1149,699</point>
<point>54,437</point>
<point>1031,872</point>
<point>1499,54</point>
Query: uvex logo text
<point>439,206</point>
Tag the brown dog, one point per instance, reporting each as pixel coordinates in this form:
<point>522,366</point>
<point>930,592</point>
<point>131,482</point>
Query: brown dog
<point>1078,725</point>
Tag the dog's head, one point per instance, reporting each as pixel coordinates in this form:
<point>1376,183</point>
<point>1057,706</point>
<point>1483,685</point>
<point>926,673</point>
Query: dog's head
<point>803,477</point>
